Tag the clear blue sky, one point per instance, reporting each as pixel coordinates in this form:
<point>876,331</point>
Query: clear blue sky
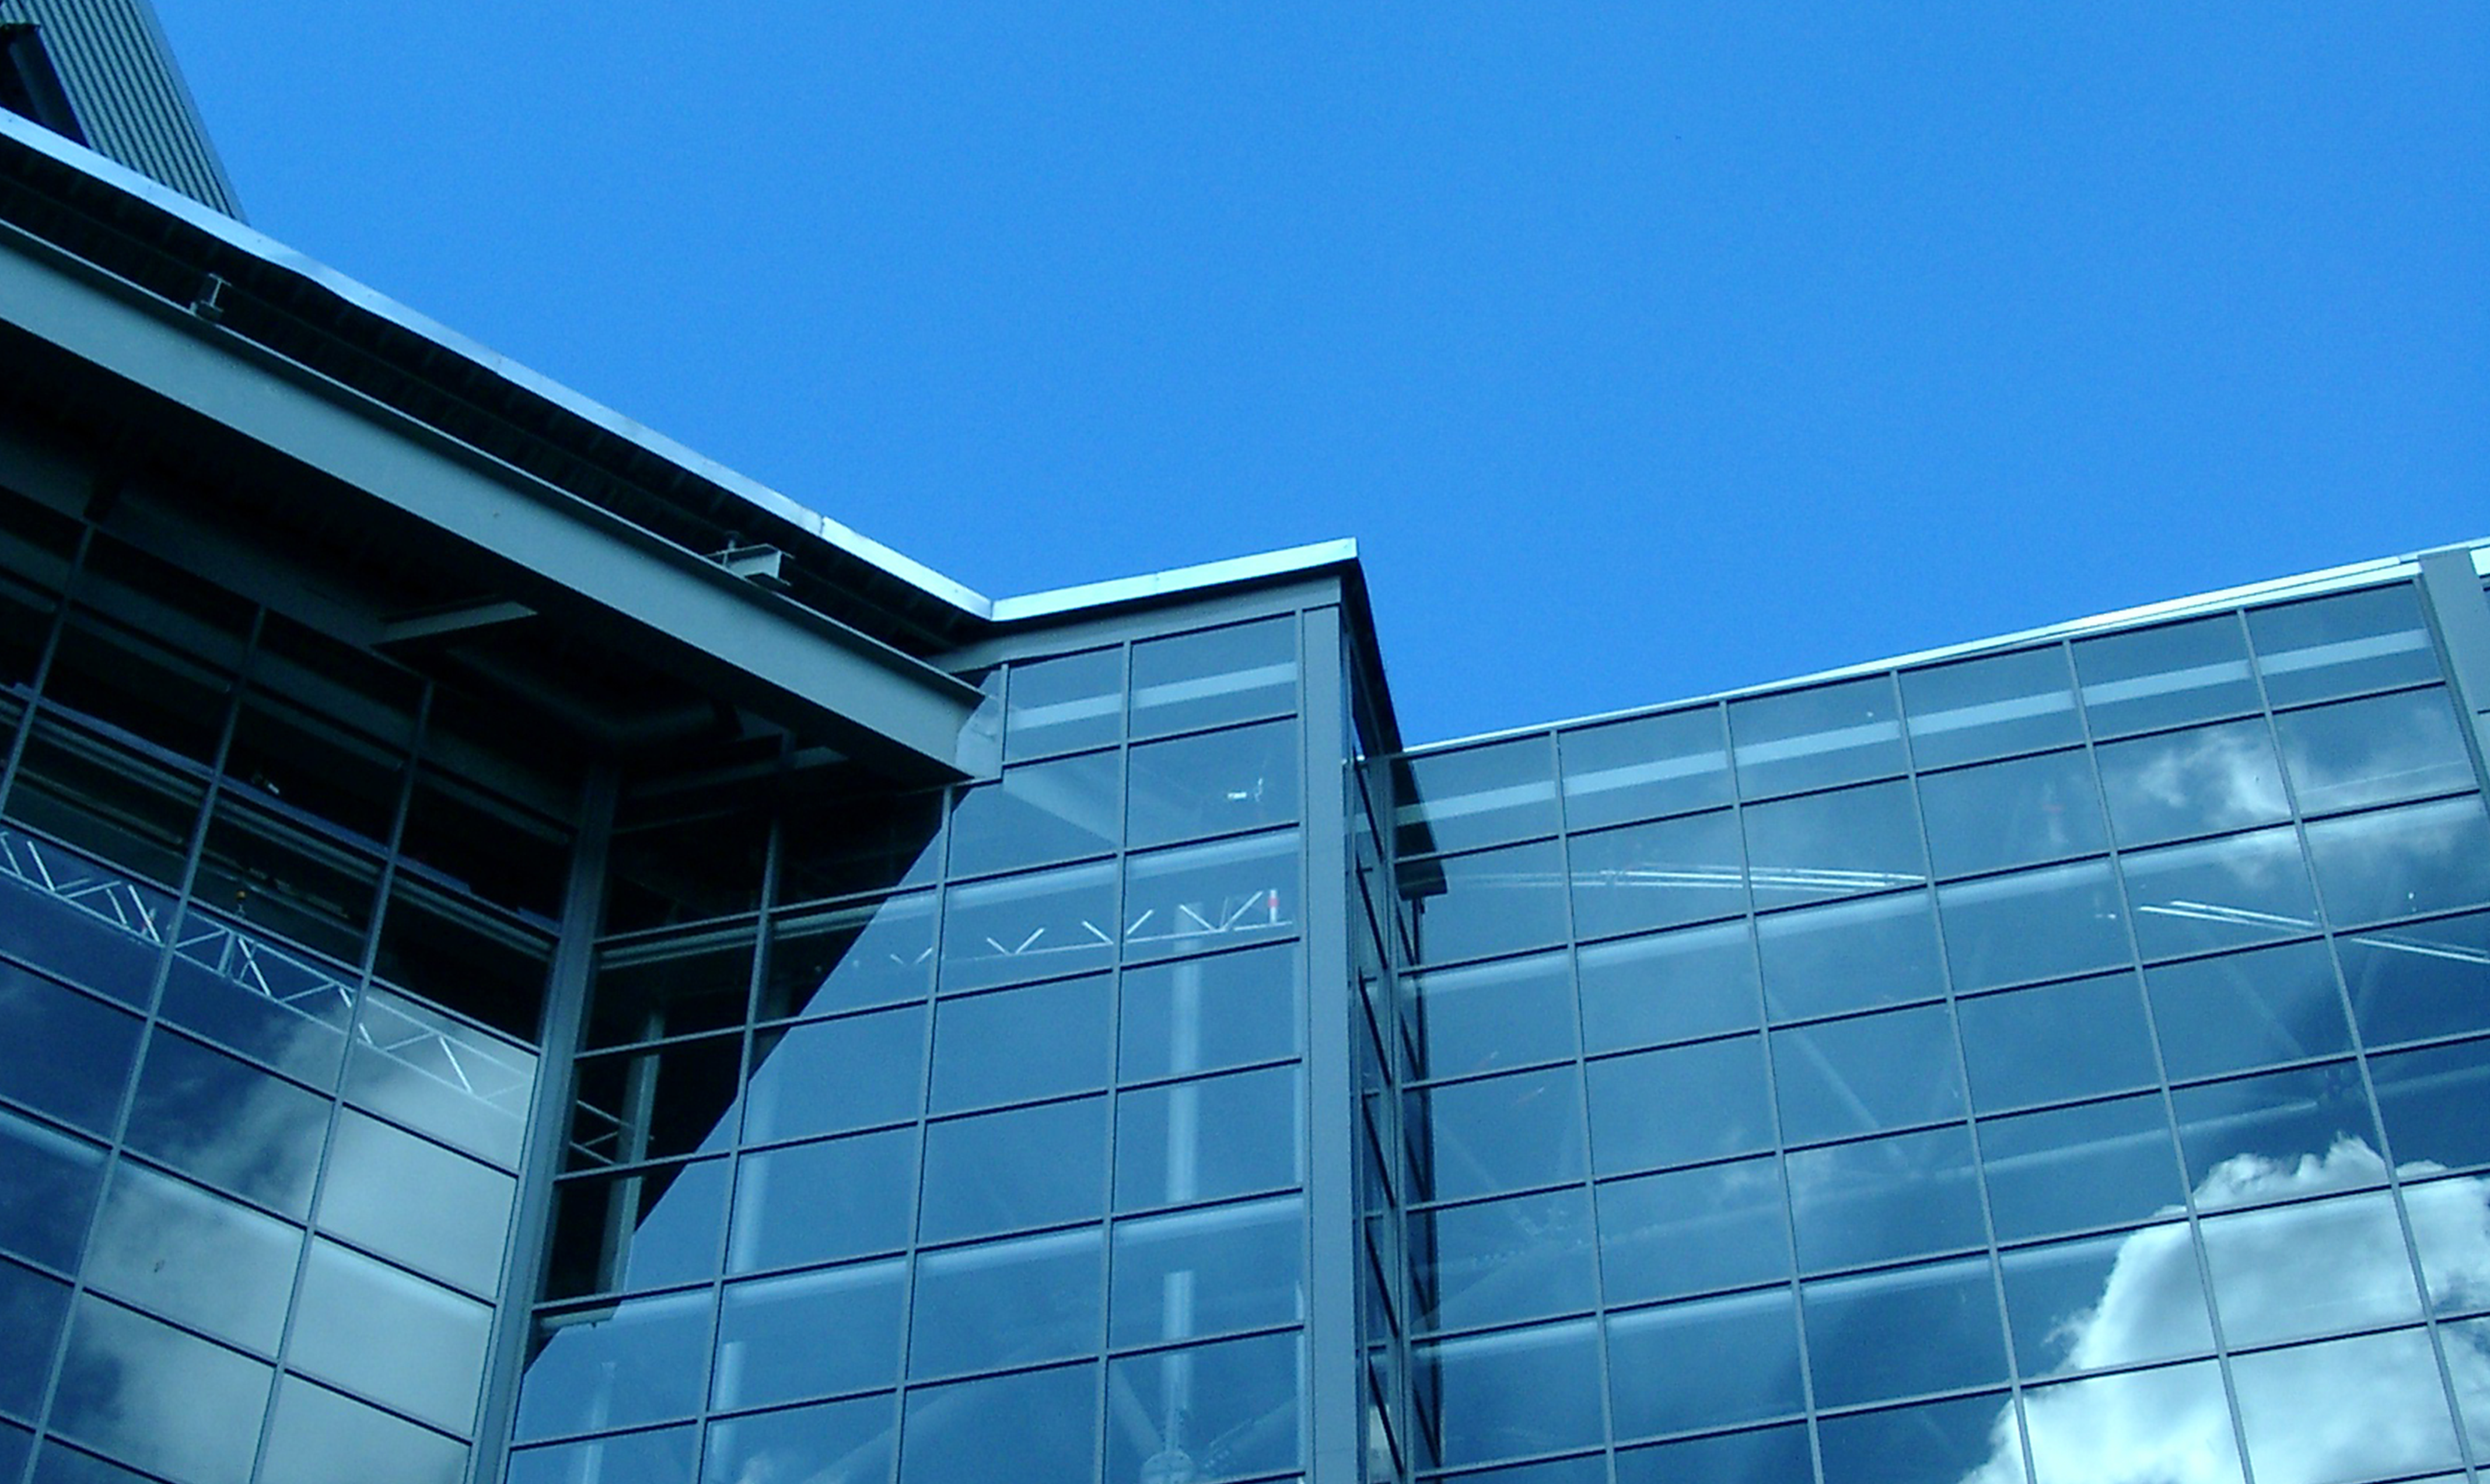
<point>1646,350</point>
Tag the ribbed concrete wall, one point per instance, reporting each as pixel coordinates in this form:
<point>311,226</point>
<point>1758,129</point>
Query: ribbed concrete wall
<point>128,92</point>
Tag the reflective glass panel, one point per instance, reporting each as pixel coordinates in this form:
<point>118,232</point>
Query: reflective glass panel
<point>2279,1135</point>
<point>1210,1139</point>
<point>1489,1016</point>
<point>1714,1226</point>
<point>210,1264</point>
<point>2245,1010</point>
<point>1038,814</point>
<point>813,1203</point>
<point>434,1360</point>
<point>1656,875</point>
<point>2357,1409</point>
<point>2351,641</point>
<point>1027,928</point>
<point>2178,673</point>
<point>1045,1422</point>
<point>1808,738</point>
<point>2428,979</point>
<point>2287,1271</point>
<point>1200,897</point>
<point>1213,1411</point>
<point>1836,844</point>
<point>2223,893</point>
<point>1213,783</point>
<point>1233,673</point>
<point>2402,862</point>
<point>1935,1443</point>
<point>1511,1393</point>
<point>2032,924</point>
<point>1027,1167</point>
<point>156,1397</point>
<point>61,1052</point>
<point>1669,987</point>
<point>116,806</point>
<point>1678,1105</point>
<point>1007,1303</point>
<point>678,985</point>
<point>1201,1015</point>
<point>806,1334</point>
<point>1495,901</point>
<point>1201,1272</point>
<point>673,1100</point>
<point>2071,1167</point>
<point>1849,956</point>
<point>2177,784</point>
<point>2432,1101</point>
<point>2056,1041</point>
<point>32,1307</point>
<point>2019,812</point>
<point>2449,1218</point>
<point>1496,1261</point>
<point>2106,1300</point>
<point>319,1437</point>
<point>417,1202</point>
<point>842,836</point>
<point>2376,750</point>
<point>1950,1309</point>
<point>1500,1133</point>
<point>246,997</point>
<point>1014,1044</point>
<point>1624,770</point>
<point>1984,708</point>
<point>47,1187</point>
<point>1882,1199</point>
<point>1768,1455</point>
<point>650,1226</point>
<point>659,1456</point>
<point>1867,1073</point>
<point>2167,1420</point>
<point>806,1442</point>
<point>847,958</point>
<point>1707,1363</point>
<point>445,1077</point>
<point>1476,795</point>
<point>228,1123</point>
<point>829,1075</point>
<point>617,1366</point>
<point>1054,705</point>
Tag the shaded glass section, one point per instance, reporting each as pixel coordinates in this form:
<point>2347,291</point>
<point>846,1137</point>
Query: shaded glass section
<point>1056,705</point>
<point>2019,812</point>
<point>1495,901</point>
<point>1476,796</point>
<point>1673,986</point>
<point>1810,739</point>
<point>2179,673</point>
<point>1714,1226</point>
<point>1650,766</point>
<point>1834,844</point>
<point>1233,674</point>
<point>1656,875</point>
<point>2348,642</point>
<point>1985,708</point>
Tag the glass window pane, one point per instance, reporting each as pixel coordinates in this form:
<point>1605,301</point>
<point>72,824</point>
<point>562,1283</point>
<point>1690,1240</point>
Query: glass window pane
<point>678,985</point>
<point>1966,1438</point>
<point>1767,1455</point>
<point>617,1365</point>
<point>137,1389</point>
<point>2033,926</point>
<point>2432,1101</point>
<point>653,1226</point>
<point>1495,1260</point>
<point>1707,1363</point>
<point>63,1053</point>
<point>134,812</point>
<point>2334,646</point>
<point>228,1123</point>
<point>1198,1272</point>
<point>1669,987</point>
<point>1511,1393</point>
<point>2430,979</point>
<point>1714,1226</point>
<point>2106,1300</point>
<point>48,1181</point>
<point>1210,1139</point>
<point>1624,770</point>
<point>1988,706</point>
<point>2170,1420</point>
<point>829,1075</point>
<point>1886,1198</point>
<point>417,1202</point>
<point>2245,1010</point>
<point>2098,1164</point>
<point>1054,705</point>
<point>434,1361</point>
<point>2359,1409</point>
<point>32,1307</point>
<point>2403,863</point>
<point>658,1456</point>
<point>1849,956</point>
<point>2056,1041</point>
<point>2149,678</point>
<point>1007,1303</point>
<point>2288,1272</point>
<point>2223,893</point>
<point>1045,1422</point>
<point>1678,1105</point>
<point>809,1334</point>
<point>2276,1136</point>
<point>1200,897</point>
<point>1495,901</point>
<point>1865,1074</point>
<point>1950,1309</point>
<point>445,1077</point>
<point>1213,1411</point>
<point>806,1442</point>
<point>1038,814</point>
<point>319,1437</point>
<point>2448,1217</point>
<point>266,870</point>
<point>1233,673</point>
<point>249,997</point>
<point>1213,783</point>
<point>1030,1167</point>
<point>2019,812</point>
<point>841,835</point>
<point>848,958</point>
<point>1808,738</point>
<point>2183,783</point>
<point>1656,875</point>
<point>813,1203</point>
<point>1476,795</point>
<point>1499,1133</point>
<point>207,1263</point>
<point>676,1098</point>
<point>1028,927</point>
<point>1015,1044</point>
<point>1490,1016</point>
<point>2373,751</point>
<point>1201,1015</point>
<point>1837,844</point>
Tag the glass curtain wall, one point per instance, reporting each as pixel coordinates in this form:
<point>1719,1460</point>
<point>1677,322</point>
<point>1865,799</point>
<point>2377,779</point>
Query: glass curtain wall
<point>2054,1067</point>
<point>979,1154</point>
<point>267,1032</point>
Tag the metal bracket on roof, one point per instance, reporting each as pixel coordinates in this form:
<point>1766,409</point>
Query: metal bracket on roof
<point>761,566</point>
<point>452,622</point>
<point>209,304</point>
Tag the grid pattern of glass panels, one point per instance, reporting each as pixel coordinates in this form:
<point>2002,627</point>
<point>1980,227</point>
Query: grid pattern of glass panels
<point>983,1157</point>
<point>2058,1066</point>
<point>256,1174</point>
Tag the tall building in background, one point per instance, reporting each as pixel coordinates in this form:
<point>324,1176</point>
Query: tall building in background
<point>526,957</point>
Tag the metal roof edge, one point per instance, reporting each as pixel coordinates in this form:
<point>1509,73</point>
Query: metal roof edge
<point>1175,582</point>
<point>254,242</point>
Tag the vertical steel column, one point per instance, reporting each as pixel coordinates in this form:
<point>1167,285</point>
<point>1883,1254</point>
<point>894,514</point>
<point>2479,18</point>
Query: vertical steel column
<point>2451,589</point>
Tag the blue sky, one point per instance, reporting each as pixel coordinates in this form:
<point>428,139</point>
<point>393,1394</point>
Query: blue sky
<point>1646,350</point>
